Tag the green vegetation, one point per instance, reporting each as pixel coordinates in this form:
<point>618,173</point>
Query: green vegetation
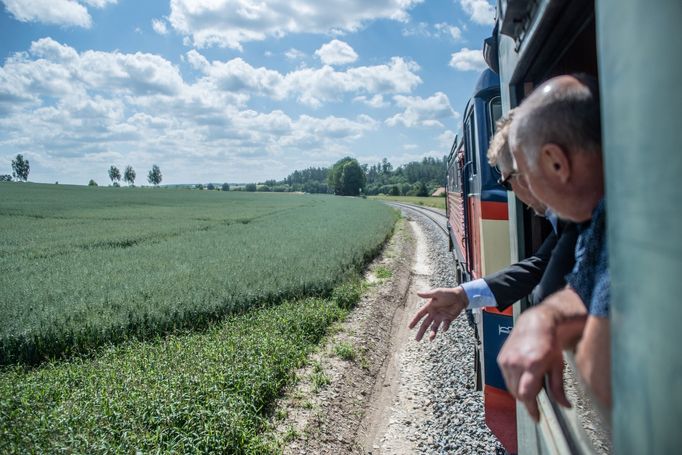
<point>436,202</point>
<point>83,267</point>
<point>382,272</point>
<point>345,351</point>
<point>195,393</point>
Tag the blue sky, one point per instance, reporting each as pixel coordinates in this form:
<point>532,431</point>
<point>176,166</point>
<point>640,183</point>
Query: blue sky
<point>232,90</point>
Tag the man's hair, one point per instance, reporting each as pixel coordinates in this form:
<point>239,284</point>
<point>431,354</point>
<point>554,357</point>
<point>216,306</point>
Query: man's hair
<point>499,153</point>
<point>568,116</point>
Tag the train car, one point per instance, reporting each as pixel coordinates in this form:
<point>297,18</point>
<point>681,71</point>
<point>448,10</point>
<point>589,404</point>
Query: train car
<point>479,237</point>
<point>630,48</point>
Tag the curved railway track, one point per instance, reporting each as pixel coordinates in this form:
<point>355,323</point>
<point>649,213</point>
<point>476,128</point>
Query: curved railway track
<point>441,222</point>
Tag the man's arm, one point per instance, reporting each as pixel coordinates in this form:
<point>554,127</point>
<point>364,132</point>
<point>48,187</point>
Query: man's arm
<point>518,280</point>
<point>534,348</point>
<point>593,358</point>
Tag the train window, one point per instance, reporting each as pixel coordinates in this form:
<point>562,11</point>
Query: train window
<point>494,113</point>
<point>469,129</point>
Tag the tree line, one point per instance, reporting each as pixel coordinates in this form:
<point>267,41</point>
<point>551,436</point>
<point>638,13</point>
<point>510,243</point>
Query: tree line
<point>348,177</point>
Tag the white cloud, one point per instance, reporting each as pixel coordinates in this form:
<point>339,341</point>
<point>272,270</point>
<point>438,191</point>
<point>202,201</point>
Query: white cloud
<point>433,30</point>
<point>56,12</point>
<point>376,101</point>
<point>468,60</point>
<point>229,23</point>
<point>294,54</point>
<point>454,32</point>
<point>310,86</point>
<point>336,52</point>
<point>103,108</point>
<point>480,11</point>
<point>159,26</point>
<point>445,139</point>
<point>420,111</point>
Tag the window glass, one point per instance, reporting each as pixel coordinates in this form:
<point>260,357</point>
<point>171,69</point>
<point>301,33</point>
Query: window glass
<point>495,112</point>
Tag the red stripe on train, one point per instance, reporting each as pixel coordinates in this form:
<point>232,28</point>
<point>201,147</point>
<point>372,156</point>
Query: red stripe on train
<point>500,416</point>
<point>494,210</point>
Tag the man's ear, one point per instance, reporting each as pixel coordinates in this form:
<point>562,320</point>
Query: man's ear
<point>555,163</point>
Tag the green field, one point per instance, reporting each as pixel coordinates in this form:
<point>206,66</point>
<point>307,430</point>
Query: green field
<point>166,320</point>
<point>430,201</point>
<point>80,267</point>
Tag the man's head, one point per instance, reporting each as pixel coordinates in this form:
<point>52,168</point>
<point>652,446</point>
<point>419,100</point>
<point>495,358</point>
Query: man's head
<point>555,140</point>
<point>500,155</point>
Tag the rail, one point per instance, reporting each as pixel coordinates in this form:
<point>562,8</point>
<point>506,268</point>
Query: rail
<point>424,211</point>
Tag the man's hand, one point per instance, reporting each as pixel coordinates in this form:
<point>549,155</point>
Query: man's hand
<point>531,351</point>
<point>444,306</point>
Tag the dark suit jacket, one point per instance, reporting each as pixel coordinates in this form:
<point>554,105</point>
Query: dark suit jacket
<point>539,275</point>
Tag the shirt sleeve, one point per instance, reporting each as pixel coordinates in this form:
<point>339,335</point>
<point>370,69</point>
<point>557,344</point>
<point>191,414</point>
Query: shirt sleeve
<point>479,294</point>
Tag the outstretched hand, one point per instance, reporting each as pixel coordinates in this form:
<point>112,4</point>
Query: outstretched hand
<point>443,307</point>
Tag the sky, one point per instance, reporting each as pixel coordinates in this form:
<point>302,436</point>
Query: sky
<point>232,90</point>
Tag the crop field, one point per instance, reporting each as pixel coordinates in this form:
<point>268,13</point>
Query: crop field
<point>162,320</point>
<point>81,267</point>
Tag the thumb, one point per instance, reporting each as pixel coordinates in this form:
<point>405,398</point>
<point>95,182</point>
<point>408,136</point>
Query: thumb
<point>431,293</point>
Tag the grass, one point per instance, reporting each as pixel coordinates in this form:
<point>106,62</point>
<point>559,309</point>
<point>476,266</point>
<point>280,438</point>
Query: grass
<point>382,272</point>
<point>85,267</point>
<point>345,351</point>
<point>436,202</point>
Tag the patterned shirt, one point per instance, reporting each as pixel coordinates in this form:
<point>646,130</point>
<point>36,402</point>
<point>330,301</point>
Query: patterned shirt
<point>590,277</point>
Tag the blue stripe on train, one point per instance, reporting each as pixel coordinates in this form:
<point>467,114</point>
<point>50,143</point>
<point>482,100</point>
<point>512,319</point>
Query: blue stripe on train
<point>496,328</point>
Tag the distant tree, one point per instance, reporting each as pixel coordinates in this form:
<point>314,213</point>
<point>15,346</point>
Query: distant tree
<point>347,178</point>
<point>250,187</point>
<point>154,177</point>
<point>92,183</point>
<point>114,174</point>
<point>395,191</point>
<point>210,187</point>
<point>225,187</point>
<point>422,190</point>
<point>199,186</point>
<point>20,168</point>
<point>263,188</point>
<point>129,175</point>
<point>5,178</point>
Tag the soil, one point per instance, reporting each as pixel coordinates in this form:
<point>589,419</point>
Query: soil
<point>360,404</point>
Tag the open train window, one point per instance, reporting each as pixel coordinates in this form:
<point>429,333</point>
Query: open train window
<point>494,113</point>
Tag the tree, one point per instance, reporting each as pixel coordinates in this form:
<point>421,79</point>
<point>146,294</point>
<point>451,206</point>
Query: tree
<point>199,186</point>
<point>154,177</point>
<point>5,178</point>
<point>20,168</point>
<point>422,190</point>
<point>226,187</point>
<point>250,187</point>
<point>92,183</point>
<point>114,175</point>
<point>129,175</point>
<point>346,177</point>
<point>210,187</point>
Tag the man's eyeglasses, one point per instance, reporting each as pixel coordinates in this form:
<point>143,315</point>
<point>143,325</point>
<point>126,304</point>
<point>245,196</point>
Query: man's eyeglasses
<point>505,182</point>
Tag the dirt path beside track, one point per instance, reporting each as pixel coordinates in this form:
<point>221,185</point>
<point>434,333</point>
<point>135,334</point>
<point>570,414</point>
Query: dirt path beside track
<point>382,398</point>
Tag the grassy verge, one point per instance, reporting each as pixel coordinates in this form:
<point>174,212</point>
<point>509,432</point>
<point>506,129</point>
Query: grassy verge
<point>436,202</point>
<point>198,393</point>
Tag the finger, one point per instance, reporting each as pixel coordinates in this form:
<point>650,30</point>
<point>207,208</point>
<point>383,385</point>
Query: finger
<point>556,383</point>
<point>529,385</point>
<point>425,325</point>
<point>417,317</point>
<point>427,294</point>
<point>446,325</point>
<point>434,330</point>
<point>533,410</point>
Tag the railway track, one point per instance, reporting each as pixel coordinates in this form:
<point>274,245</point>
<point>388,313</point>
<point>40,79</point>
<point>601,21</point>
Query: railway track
<point>440,221</point>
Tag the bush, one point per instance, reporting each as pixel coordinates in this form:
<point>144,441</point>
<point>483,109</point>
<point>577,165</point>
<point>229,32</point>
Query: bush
<point>250,187</point>
<point>225,187</point>
<point>92,183</point>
